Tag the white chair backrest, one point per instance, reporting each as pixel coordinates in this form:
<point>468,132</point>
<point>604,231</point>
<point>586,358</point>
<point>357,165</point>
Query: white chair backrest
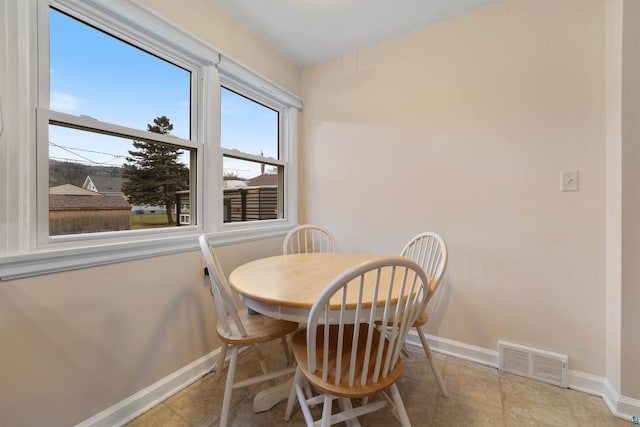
<point>309,238</point>
<point>430,252</point>
<point>376,281</point>
<point>223,295</point>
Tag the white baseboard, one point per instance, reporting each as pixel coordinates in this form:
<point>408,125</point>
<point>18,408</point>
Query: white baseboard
<point>129,408</point>
<point>620,406</point>
<point>457,349</point>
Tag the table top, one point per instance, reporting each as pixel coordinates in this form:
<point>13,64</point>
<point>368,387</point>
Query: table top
<point>293,280</point>
<point>286,286</point>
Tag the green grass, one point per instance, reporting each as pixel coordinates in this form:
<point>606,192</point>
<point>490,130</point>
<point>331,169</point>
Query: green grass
<point>153,220</point>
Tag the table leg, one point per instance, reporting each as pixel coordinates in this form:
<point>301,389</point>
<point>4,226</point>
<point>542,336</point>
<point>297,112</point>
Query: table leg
<point>267,399</point>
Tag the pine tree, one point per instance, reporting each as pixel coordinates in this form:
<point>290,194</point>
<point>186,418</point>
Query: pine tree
<point>152,174</point>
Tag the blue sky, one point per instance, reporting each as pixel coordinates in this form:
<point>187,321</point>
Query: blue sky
<point>96,75</point>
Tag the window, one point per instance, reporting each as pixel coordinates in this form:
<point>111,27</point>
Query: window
<point>103,175</point>
<point>252,170</point>
<point>134,141</point>
<point>258,134</point>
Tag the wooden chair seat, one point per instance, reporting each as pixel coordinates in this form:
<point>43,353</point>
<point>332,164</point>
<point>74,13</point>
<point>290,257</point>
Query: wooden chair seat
<point>421,320</point>
<point>258,327</point>
<point>299,346</point>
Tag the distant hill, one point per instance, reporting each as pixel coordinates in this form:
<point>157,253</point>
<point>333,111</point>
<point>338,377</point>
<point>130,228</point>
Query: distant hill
<point>75,173</point>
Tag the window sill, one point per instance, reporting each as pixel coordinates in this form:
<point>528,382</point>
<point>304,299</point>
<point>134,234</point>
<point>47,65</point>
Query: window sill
<point>59,260</point>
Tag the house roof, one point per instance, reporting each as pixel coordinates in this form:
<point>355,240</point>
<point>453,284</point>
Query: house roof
<point>105,184</point>
<point>261,180</point>
<point>71,190</point>
<point>66,202</point>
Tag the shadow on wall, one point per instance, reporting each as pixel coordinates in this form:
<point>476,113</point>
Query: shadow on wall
<point>438,305</point>
<point>186,309</point>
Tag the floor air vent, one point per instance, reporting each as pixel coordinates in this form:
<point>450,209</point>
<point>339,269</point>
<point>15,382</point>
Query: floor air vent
<point>534,363</point>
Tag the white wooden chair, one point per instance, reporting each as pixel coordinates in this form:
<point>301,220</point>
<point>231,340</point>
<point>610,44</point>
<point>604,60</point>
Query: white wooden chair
<point>309,238</point>
<point>429,250</point>
<point>354,358</point>
<point>237,328</point>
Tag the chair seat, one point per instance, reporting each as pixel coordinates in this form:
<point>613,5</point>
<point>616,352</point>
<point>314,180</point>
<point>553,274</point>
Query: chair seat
<point>299,345</point>
<point>421,320</point>
<point>260,329</point>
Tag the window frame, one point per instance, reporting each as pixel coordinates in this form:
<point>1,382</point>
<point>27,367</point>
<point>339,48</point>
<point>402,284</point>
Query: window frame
<point>29,250</point>
<point>245,82</point>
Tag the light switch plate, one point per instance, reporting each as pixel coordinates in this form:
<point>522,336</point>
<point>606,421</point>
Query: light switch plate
<point>569,181</point>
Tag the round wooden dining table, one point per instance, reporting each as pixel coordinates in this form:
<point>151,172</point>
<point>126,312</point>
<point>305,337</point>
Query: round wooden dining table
<point>286,286</point>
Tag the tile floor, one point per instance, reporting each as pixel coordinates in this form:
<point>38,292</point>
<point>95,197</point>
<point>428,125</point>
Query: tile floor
<point>478,396</point>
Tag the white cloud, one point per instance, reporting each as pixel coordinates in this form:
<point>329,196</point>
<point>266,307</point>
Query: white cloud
<point>64,102</point>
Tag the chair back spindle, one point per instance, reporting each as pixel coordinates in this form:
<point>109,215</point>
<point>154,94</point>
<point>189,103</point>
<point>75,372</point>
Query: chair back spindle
<point>309,238</point>
<point>430,252</point>
<point>397,289</point>
<point>223,295</point>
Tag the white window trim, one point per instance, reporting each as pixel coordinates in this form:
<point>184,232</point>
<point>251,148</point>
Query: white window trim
<point>20,252</point>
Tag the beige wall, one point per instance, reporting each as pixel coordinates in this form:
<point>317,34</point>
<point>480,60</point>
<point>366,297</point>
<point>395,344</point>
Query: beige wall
<point>76,343</point>
<point>463,128</point>
<point>211,24</point>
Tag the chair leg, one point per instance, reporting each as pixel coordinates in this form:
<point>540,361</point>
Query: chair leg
<point>432,362</point>
<point>292,394</point>
<point>226,401</point>
<point>286,347</point>
<point>326,411</point>
<point>221,360</point>
<point>401,410</point>
<point>307,390</point>
<point>261,361</point>
<point>308,417</point>
<point>347,407</point>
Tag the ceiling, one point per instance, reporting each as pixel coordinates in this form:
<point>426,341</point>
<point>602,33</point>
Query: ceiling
<point>311,31</point>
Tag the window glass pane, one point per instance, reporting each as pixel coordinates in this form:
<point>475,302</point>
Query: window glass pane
<point>95,74</point>
<point>105,183</point>
<point>252,199</point>
<point>248,127</point>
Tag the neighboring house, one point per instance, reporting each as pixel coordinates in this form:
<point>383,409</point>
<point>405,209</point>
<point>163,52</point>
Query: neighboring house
<point>244,200</point>
<point>112,186</point>
<point>183,207</point>
<point>74,210</point>
<point>262,180</point>
<point>147,209</point>
<point>234,183</point>
<point>251,200</point>
<point>71,190</point>
<point>107,185</point>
